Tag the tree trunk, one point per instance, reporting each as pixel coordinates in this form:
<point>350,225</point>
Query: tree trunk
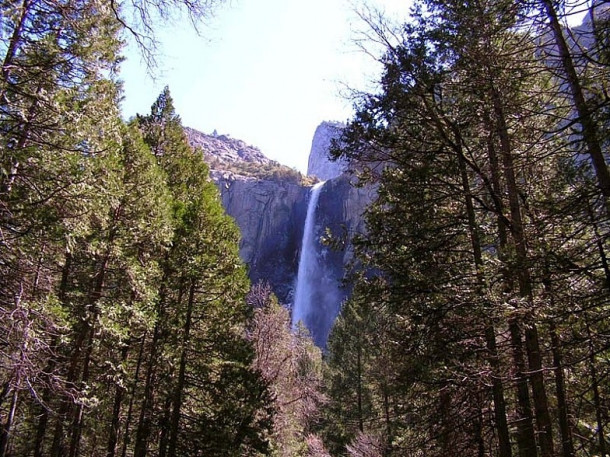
<point>590,132</point>
<point>359,385</point>
<point>387,417</point>
<point>521,270</point>
<point>490,333</point>
<point>78,416</point>
<point>601,434</point>
<point>41,428</point>
<point>479,434</point>
<point>181,383</point>
<point>58,445</point>
<point>96,295</point>
<point>543,417</point>
<point>6,428</point>
<point>119,393</point>
<point>504,446</point>
<point>599,243</point>
<point>495,191</point>
<point>43,420</point>
<point>126,434</point>
<point>445,423</point>
<point>11,51</point>
<point>19,369</point>
<point>526,439</point>
<point>165,427</point>
<point>565,430</point>
<point>145,420</point>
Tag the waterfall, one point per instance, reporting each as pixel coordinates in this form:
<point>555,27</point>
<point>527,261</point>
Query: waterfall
<point>317,294</point>
<point>308,262</point>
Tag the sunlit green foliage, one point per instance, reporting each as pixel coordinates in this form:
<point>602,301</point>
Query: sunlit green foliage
<point>122,297</point>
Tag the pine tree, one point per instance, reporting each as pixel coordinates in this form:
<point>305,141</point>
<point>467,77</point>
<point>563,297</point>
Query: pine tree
<point>360,375</point>
<point>198,380</point>
<point>59,123</point>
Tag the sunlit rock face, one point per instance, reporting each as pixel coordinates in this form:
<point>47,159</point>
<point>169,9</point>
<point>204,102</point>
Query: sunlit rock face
<point>223,148</point>
<point>319,163</point>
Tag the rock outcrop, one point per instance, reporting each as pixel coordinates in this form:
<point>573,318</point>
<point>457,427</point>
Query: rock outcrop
<point>319,163</point>
<point>224,149</point>
<point>342,205</point>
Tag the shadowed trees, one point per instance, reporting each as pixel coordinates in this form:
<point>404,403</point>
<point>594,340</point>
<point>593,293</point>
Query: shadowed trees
<point>486,239</point>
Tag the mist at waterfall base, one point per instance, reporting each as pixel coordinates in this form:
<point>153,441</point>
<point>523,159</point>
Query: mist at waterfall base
<point>318,293</point>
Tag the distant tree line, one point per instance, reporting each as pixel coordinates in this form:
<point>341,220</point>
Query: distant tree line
<point>271,171</point>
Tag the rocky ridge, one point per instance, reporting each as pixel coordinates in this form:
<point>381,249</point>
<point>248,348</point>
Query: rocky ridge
<point>231,159</point>
<point>224,149</point>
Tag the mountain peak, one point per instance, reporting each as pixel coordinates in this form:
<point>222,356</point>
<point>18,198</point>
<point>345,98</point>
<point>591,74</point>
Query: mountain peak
<point>320,164</point>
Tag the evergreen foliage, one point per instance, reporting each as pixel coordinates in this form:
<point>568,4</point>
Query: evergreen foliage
<point>122,295</point>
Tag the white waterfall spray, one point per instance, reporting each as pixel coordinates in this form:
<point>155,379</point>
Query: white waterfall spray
<point>308,263</point>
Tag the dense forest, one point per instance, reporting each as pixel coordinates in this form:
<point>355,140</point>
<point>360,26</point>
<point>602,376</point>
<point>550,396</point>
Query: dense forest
<point>479,324</point>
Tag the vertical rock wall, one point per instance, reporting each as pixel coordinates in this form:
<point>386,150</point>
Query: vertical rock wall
<point>270,215</point>
<point>319,163</point>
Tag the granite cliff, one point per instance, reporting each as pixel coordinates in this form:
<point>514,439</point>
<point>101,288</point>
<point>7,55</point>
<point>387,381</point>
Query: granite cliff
<point>319,164</point>
<point>270,215</point>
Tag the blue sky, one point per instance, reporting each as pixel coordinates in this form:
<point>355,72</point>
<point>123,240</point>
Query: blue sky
<point>265,71</point>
